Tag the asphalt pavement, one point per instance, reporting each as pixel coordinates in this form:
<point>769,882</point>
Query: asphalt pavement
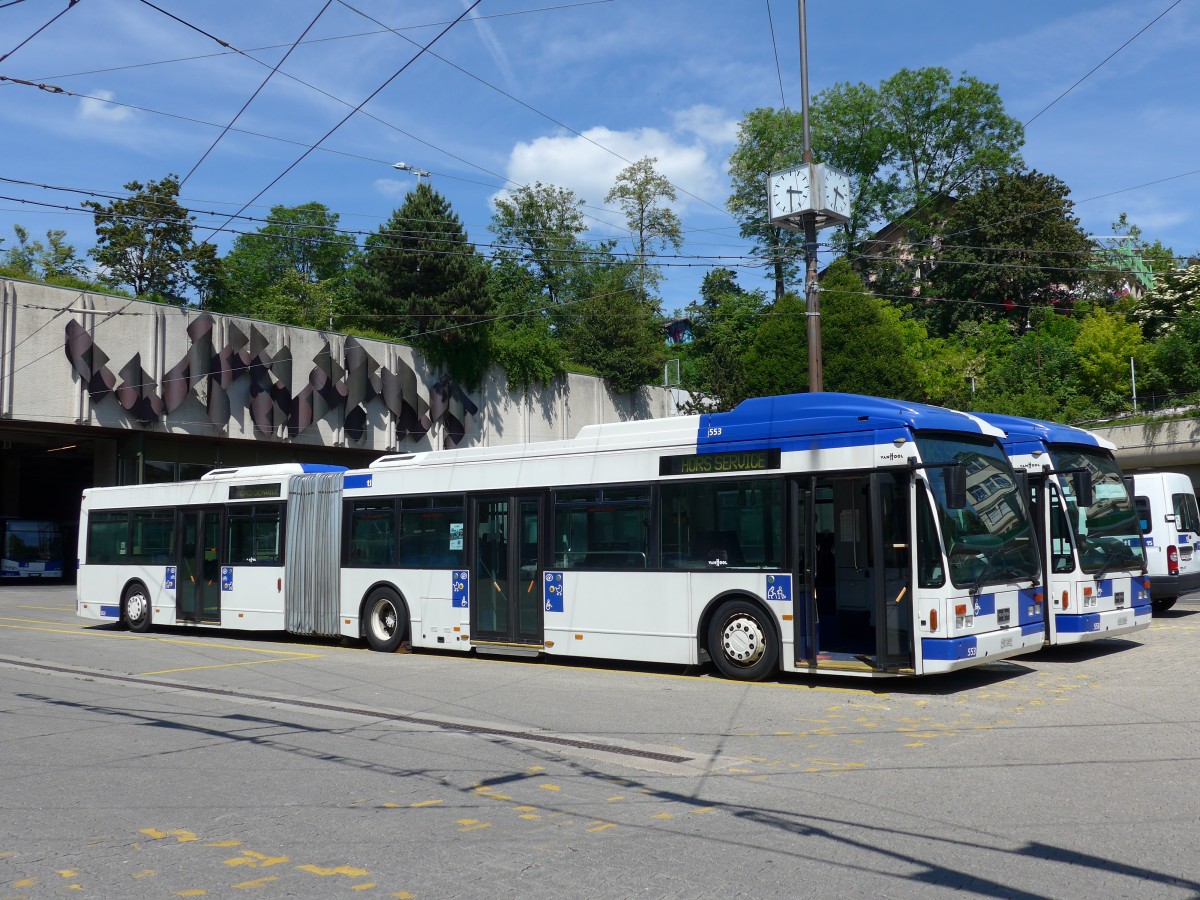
<point>186,764</point>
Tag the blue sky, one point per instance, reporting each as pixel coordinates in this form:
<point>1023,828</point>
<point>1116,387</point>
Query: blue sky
<point>599,84</point>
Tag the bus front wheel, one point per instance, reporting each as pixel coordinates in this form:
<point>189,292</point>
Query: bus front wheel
<point>742,642</point>
<point>385,621</point>
<point>135,608</point>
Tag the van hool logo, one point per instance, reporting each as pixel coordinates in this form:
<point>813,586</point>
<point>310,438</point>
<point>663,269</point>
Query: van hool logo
<point>332,385</point>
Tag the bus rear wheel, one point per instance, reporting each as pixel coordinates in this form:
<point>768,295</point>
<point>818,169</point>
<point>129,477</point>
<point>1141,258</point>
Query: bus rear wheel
<point>385,621</point>
<point>135,608</point>
<point>1162,604</point>
<point>742,642</point>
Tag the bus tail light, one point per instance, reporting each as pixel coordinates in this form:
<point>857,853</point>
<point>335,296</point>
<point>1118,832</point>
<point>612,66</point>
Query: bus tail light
<point>933,620</point>
<point>960,609</point>
<point>1172,560</point>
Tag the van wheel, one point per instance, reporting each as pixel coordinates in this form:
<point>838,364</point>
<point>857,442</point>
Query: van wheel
<point>1163,604</point>
<point>135,608</point>
<point>742,642</point>
<point>385,620</point>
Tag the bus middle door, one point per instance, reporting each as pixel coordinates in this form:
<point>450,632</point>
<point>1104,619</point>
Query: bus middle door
<point>506,602</point>
<point>198,584</point>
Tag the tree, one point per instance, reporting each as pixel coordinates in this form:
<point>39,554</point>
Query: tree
<point>1103,349</point>
<point>541,225</point>
<point>769,140</point>
<point>850,133</point>
<point>945,137</point>
<point>862,340</point>
<point>1011,245</point>
<point>423,282</point>
<point>292,270</point>
<point>724,322</point>
<point>145,241</point>
<point>1175,295</point>
<point>54,260</point>
<point>638,191</point>
<point>608,326</point>
<point>524,342</point>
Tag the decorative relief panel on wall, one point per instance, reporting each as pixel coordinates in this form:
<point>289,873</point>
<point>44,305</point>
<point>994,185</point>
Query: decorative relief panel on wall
<point>332,385</point>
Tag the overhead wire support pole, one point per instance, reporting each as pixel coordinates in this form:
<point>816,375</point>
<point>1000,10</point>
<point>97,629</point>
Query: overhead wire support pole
<point>816,378</point>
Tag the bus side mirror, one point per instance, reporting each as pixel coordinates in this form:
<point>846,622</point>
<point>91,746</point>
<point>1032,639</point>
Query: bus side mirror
<point>1082,482</point>
<point>956,486</point>
<point>1128,479</point>
<point>1023,484</point>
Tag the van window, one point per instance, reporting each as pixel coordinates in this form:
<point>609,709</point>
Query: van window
<point>1143,511</point>
<point>1187,516</point>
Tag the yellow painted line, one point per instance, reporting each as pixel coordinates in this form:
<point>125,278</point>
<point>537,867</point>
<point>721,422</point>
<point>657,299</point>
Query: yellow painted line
<point>663,816</point>
<point>348,871</point>
<point>67,873</point>
<point>550,787</point>
<point>90,630</point>
<point>258,882</point>
<point>603,827</point>
<point>404,895</point>
<point>145,873</point>
<point>25,882</point>
<point>49,608</point>
<point>224,844</point>
<point>182,835</point>
<point>194,892</point>
<point>421,803</point>
<point>252,662</point>
<point>364,887</point>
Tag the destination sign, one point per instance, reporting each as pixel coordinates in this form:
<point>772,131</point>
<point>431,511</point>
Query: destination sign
<point>253,491</point>
<point>719,463</point>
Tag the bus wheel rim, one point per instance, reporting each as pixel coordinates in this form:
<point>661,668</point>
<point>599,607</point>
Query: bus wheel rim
<point>385,619</point>
<point>743,641</point>
<point>135,607</point>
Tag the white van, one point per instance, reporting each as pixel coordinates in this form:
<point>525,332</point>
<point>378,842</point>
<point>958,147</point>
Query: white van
<point>1170,520</point>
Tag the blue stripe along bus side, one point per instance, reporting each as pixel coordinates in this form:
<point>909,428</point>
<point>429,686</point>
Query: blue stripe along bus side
<point>949,649</point>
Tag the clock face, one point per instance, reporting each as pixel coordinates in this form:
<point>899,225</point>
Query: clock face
<point>837,192</point>
<point>790,192</point>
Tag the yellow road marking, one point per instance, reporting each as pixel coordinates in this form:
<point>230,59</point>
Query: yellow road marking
<point>145,873</point>
<point>258,882</point>
<point>182,835</point>
<point>67,873</point>
<point>663,816</point>
<point>224,844</point>
<point>194,892</point>
<point>48,608</point>
<point>348,871</point>
<point>252,662</point>
<point>550,787</point>
<point>404,895</point>
<point>425,803</point>
<point>603,827</point>
<point>364,887</point>
<point>25,882</point>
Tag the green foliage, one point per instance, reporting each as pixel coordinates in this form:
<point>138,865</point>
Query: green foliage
<point>945,136</point>
<point>1012,245</point>
<point>421,281</point>
<point>639,191</point>
<point>610,329</point>
<point>769,140</point>
<point>53,261</point>
<point>1176,295</point>
<point>724,323</point>
<point>541,224</point>
<point>524,342</point>
<point>863,341</point>
<point>776,361</point>
<point>145,241</point>
<point>292,270</point>
<point>1103,349</point>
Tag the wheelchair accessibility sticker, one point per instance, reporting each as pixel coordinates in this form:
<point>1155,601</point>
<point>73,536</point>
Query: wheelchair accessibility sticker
<point>553,591</point>
<point>227,578</point>
<point>169,579</point>
<point>779,587</point>
<point>459,588</point>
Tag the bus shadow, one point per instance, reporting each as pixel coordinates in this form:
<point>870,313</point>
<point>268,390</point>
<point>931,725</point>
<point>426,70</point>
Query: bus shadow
<point>1176,612</point>
<point>1070,654</point>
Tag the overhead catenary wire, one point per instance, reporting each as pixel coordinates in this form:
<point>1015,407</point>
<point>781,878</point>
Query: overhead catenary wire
<point>55,18</point>
<point>257,91</point>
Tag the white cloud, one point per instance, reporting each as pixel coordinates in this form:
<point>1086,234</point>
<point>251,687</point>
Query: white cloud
<point>96,109</point>
<point>394,188</point>
<point>691,156</point>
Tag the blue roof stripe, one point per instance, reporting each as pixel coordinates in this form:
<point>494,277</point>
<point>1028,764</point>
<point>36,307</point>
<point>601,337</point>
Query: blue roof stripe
<point>1021,430</point>
<point>822,421</point>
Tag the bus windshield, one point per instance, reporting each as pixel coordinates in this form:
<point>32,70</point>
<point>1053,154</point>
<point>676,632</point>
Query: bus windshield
<point>1107,531</point>
<point>991,539</point>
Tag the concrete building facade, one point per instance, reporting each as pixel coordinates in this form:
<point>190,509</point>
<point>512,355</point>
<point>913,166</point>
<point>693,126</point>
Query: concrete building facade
<point>103,390</point>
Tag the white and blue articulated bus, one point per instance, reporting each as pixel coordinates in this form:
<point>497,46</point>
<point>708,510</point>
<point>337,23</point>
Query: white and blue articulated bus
<point>1091,542</point>
<point>807,533</point>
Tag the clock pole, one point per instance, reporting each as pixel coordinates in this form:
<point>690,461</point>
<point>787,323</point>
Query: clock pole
<point>816,365</point>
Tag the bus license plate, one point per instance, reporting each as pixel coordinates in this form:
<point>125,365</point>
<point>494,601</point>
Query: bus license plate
<point>1005,643</point>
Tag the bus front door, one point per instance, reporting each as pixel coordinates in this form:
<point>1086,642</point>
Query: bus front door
<point>860,613</point>
<point>506,607</point>
<point>198,584</point>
